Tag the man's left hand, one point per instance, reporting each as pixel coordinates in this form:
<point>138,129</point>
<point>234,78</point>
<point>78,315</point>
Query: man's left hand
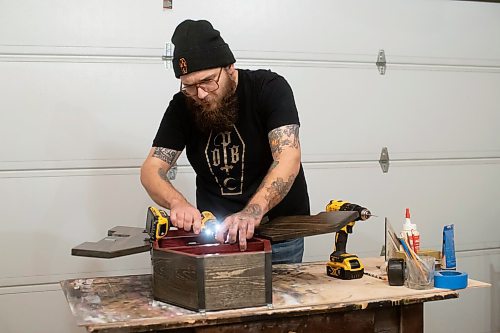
<point>240,225</point>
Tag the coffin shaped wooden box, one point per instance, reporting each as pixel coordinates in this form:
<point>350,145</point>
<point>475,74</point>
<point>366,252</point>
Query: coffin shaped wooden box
<point>212,276</point>
<point>200,276</point>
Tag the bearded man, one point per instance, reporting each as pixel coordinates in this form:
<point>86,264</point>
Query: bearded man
<point>240,129</point>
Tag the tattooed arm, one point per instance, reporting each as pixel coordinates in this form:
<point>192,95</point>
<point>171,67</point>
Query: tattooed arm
<point>154,179</point>
<point>285,148</point>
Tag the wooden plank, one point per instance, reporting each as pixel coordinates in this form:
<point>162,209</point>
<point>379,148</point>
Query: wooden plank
<point>235,281</point>
<point>175,279</point>
<point>386,320</point>
<point>121,241</point>
<point>290,227</point>
<point>412,318</point>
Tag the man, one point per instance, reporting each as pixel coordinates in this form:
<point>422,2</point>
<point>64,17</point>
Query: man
<point>240,129</point>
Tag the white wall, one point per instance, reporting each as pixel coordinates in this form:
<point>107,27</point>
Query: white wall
<point>83,89</point>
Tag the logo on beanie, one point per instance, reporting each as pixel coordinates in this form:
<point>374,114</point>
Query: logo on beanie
<point>183,65</point>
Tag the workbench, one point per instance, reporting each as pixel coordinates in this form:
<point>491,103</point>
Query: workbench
<point>305,299</point>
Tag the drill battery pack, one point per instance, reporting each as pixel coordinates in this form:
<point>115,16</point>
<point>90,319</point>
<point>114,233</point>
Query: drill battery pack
<point>346,267</point>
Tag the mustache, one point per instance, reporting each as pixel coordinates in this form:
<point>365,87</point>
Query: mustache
<point>218,119</point>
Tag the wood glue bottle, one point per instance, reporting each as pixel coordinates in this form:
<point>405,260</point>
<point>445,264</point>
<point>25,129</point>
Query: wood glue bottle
<point>410,232</point>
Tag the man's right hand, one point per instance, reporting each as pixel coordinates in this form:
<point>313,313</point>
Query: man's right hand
<point>185,216</point>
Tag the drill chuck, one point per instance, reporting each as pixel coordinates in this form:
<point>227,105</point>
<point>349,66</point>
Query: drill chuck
<point>364,214</point>
<point>339,205</point>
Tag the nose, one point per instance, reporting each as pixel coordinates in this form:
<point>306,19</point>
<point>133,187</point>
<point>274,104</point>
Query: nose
<point>202,93</point>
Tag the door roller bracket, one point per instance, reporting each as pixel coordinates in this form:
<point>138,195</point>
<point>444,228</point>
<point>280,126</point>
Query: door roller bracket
<point>384,160</point>
<point>167,4</point>
<point>381,63</point>
<point>169,54</point>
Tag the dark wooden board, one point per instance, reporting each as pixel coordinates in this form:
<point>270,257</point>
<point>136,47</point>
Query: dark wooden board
<point>236,281</point>
<point>375,320</point>
<point>290,227</point>
<point>121,241</point>
<point>176,279</point>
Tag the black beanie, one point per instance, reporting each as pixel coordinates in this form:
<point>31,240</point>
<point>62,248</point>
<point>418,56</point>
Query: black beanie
<point>199,46</point>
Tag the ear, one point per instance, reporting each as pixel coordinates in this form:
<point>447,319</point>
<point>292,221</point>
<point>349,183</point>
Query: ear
<point>230,69</point>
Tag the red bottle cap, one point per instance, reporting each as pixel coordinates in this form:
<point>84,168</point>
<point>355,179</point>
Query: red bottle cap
<point>407,213</point>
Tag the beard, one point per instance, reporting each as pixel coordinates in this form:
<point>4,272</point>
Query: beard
<point>219,117</point>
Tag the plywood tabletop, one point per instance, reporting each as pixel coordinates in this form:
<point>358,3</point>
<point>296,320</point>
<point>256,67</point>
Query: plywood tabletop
<point>114,303</point>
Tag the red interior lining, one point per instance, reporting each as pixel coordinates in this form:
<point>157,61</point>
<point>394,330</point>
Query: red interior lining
<point>195,246</point>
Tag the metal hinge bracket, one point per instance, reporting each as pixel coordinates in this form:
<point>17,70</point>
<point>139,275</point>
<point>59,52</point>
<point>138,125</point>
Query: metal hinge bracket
<point>381,63</point>
<point>384,160</point>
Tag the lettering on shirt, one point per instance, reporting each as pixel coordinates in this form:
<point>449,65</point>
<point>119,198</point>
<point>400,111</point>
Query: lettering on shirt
<point>225,153</point>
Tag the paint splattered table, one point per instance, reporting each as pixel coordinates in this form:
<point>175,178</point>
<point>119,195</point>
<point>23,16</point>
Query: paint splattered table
<point>305,299</point>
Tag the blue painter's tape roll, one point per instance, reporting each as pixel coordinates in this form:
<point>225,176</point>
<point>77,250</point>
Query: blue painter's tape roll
<point>450,280</point>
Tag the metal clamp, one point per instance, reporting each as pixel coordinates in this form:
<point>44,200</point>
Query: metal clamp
<point>384,160</point>
<point>381,63</point>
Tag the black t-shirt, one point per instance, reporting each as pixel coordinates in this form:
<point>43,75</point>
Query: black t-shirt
<point>231,165</point>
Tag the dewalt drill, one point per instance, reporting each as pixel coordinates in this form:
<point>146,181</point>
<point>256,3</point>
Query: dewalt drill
<point>344,265</point>
<point>158,223</point>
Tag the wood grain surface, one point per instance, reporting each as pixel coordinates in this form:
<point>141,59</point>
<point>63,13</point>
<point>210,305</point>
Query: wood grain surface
<point>403,318</point>
<point>235,281</point>
<point>115,303</point>
<point>212,276</point>
<point>290,227</point>
<point>175,279</point>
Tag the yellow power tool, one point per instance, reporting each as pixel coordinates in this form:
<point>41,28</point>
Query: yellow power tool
<point>158,223</point>
<point>344,265</point>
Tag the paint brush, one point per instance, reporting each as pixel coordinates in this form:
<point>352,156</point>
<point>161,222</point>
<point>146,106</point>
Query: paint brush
<point>405,248</point>
<point>416,259</point>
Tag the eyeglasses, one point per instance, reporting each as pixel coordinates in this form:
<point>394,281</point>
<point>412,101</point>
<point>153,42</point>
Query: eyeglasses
<point>207,85</point>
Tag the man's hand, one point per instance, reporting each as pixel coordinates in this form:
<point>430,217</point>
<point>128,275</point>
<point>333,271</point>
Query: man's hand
<point>242,224</point>
<point>184,216</point>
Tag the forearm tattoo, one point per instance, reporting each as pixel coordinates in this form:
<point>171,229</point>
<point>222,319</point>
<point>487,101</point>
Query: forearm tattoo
<point>284,136</point>
<point>253,210</point>
<point>166,155</point>
<point>278,190</point>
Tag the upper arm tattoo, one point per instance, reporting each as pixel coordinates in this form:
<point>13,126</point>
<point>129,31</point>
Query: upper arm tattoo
<point>166,155</point>
<point>284,136</point>
<point>163,173</point>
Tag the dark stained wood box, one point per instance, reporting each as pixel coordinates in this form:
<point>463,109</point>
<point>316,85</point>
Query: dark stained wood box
<point>212,276</point>
<point>200,276</point>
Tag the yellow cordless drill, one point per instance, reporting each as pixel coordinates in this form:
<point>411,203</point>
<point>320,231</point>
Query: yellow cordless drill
<point>344,265</point>
<point>158,223</point>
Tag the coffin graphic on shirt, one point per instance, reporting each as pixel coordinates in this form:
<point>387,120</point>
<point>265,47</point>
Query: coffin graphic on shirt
<point>225,153</point>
